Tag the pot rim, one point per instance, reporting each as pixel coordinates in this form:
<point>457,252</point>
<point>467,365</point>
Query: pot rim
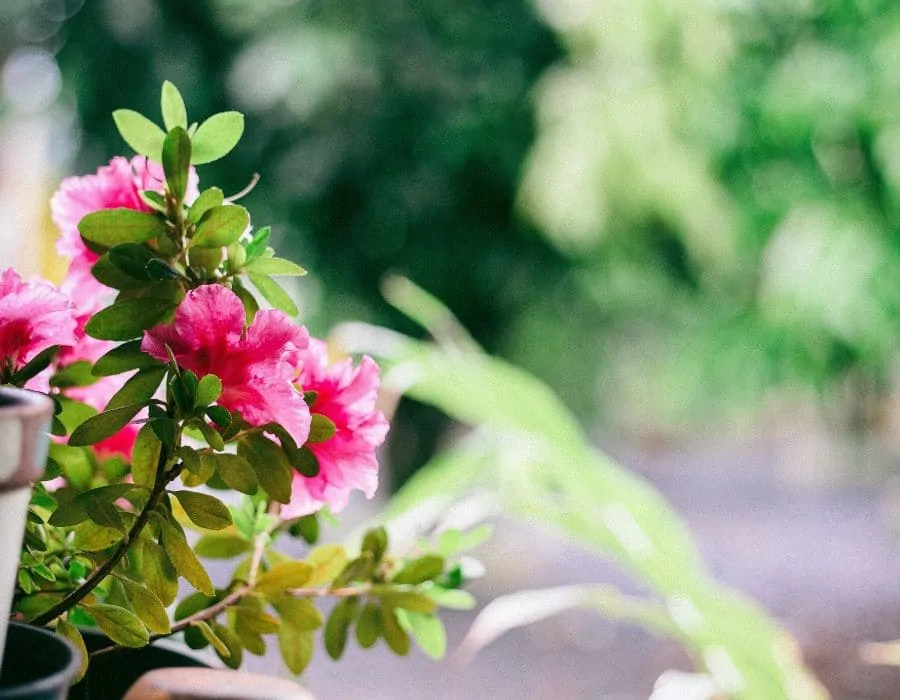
<point>16,402</point>
<point>60,678</point>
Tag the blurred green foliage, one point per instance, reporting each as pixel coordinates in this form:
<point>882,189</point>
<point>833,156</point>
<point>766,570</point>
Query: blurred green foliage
<point>664,209</point>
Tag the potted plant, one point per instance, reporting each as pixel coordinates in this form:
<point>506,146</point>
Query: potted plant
<point>171,384</point>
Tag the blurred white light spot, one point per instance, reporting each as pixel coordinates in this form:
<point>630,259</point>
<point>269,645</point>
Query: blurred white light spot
<point>684,613</point>
<point>31,80</point>
<point>677,685</point>
<point>622,524</point>
<point>722,669</point>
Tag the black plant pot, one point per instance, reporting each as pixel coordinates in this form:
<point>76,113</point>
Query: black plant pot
<point>111,674</point>
<point>37,665</point>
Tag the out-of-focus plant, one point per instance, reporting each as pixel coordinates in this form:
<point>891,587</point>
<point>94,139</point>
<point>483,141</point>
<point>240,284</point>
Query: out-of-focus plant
<point>724,178</point>
<point>529,451</point>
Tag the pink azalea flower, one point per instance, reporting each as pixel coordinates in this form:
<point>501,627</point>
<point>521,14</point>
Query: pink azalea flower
<point>346,395</point>
<point>118,184</point>
<point>33,317</point>
<point>255,364</point>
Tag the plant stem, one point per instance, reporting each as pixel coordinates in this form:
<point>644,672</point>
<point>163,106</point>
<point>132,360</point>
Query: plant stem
<point>163,479</point>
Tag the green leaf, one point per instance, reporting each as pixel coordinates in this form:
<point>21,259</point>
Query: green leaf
<point>216,136</point>
<point>321,428</point>
<point>176,160</point>
<point>208,390</point>
<point>221,546</point>
<point>211,637</point>
<point>420,570</point>
<point>452,598</point>
<point>147,606</point>
<point>172,105</point>
<point>111,227</point>
<point>103,425</point>
<point>191,604</point>
<point>296,647</point>
<point>101,511</point>
<point>282,577</point>
<point>77,374</point>
<point>250,640</point>
<point>184,559</point>
<point>205,511</point>
<point>375,542</point>
<point>219,415</point>
<point>235,652</point>
<point>368,626</point>
<point>68,514</point>
<point>145,456</point>
<point>270,465</point>
<point>406,598</point>
<point>145,137</point>
<point>90,537</point>
<point>327,560</point>
<point>395,636</point>
<point>165,430</point>
<point>221,226</point>
<point>427,630</point>
<point>67,630</point>
<point>273,266</point>
<point>207,199</point>
<point>298,612</point>
<point>132,259</point>
<point>342,616</point>
<point>234,471</point>
<point>138,389</point>
<point>360,569</point>
<point>274,294</point>
<point>258,244</point>
<point>255,619</point>
<point>128,318</point>
<point>159,573</point>
<point>120,625</point>
<point>124,358</point>
<point>38,364</point>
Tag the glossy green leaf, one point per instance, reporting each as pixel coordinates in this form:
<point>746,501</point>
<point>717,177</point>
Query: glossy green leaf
<point>102,425</point>
<point>221,546</point>
<point>184,560</point>
<point>123,358</point>
<point>216,136</point>
<point>234,471</point>
<point>270,465</point>
<point>76,374</point>
<point>208,390</point>
<point>221,226</point>
<point>120,625</point>
<point>296,647</point>
<point>273,293</point>
<point>138,389</point>
<point>145,456</point>
<point>159,573</point>
<point>145,137</point>
<point>147,606</point>
<point>273,266</point>
<point>176,159</point>
<point>128,318</point>
<point>172,106</point>
<point>204,510</point>
<point>110,227</point>
<point>207,199</point>
<point>258,244</point>
<point>35,366</point>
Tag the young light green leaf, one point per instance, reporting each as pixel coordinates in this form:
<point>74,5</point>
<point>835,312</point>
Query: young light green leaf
<point>427,630</point>
<point>419,570</point>
<point>282,577</point>
<point>138,389</point>
<point>216,136</point>
<point>273,266</point>
<point>208,390</point>
<point>102,425</point>
<point>76,374</point>
<point>298,612</point>
<point>270,464</point>
<point>145,137</point>
<point>110,227</point>
<point>128,318</point>
<point>211,637</point>
<point>296,647</point>
<point>255,619</point>
<point>406,598</point>
<point>123,358</point>
<point>176,160</point>
<point>274,294</point>
<point>120,625</point>
<point>145,456</point>
<point>208,199</point>
<point>67,630</point>
<point>327,560</point>
<point>234,471</point>
<point>159,574</point>
<point>147,606</point>
<point>221,546</point>
<point>221,226</point>
<point>172,106</point>
<point>90,537</point>
<point>452,598</point>
<point>258,244</point>
<point>184,559</point>
<point>205,511</point>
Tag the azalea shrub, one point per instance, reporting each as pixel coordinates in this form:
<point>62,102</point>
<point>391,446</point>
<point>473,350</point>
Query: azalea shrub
<point>184,405</point>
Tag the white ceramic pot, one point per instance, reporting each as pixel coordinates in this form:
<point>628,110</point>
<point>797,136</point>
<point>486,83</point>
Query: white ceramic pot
<point>24,423</point>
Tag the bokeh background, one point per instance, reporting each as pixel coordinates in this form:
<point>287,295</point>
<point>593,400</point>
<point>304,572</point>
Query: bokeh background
<point>681,215</point>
